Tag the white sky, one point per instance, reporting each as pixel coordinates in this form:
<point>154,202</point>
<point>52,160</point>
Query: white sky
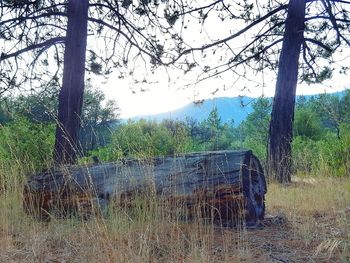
<point>165,95</point>
<point>168,91</point>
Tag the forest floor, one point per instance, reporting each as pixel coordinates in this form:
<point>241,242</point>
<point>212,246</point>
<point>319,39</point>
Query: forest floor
<point>307,221</point>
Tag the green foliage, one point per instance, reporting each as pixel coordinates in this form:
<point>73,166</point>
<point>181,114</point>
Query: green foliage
<point>97,118</point>
<point>143,139</point>
<point>26,143</point>
<point>329,156</point>
<point>321,127</point>
<point>211,131</point>
<point>257,122</point>
<point>254,130</point>
<point>211,134</point>
<point>333,110</point>
<point>258,147</point>
<point>98,114</point>
<point>321,144</point>
<point>305,154</point>
<point>307,124</point>
<point>36,107</point>
<point>323,73</point>
<point>4,112</point>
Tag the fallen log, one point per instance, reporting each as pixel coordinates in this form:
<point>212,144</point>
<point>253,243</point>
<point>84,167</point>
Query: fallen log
<point>226,186</point>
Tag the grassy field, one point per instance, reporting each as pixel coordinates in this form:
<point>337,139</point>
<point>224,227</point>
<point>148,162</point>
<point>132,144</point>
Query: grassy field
<point>307,221</point>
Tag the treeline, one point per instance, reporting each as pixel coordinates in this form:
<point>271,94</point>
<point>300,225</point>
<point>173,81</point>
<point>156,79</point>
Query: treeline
<point>28,123</point>
<point>321,144</point>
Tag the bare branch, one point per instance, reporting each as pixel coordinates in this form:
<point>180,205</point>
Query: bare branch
<point>21,19</point>
<point>307,62</point>
<point>129,39</point>
<point>340,1</point>
<point>332,18</point>
<point>318,43</point>
<point>200,8</point>
<point>50,42</point>
<point>230,67</point>
<point>328,18</point>
<point>224,40</point>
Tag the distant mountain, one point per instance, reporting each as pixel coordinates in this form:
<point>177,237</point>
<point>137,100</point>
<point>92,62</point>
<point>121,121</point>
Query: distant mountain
<point>229,108</point>
<point>236,108</point>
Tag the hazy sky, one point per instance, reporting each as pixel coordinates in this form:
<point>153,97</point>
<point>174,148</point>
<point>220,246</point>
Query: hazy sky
<point>163,95</point>
<point>168,90</point>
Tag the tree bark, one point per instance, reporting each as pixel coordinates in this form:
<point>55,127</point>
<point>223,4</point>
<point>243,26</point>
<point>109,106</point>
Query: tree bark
<point>225,186</point>
<point>67,146</point>
<point>282,116</point>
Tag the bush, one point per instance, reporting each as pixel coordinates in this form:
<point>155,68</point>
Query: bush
<point>142,139</point>
<point>257,146</point>
<point>307,124</point>
<point>27,144</point>
<point>305,154</point>
<point>329,156</point>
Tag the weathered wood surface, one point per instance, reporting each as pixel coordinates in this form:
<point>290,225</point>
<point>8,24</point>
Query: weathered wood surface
<point>231,183</point>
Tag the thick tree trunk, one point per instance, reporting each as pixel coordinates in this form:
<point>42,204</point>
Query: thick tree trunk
<point>225,186</point>
<point>71,94</point>
<point>282,116</point>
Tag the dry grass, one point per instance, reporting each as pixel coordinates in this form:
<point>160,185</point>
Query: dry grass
<point>308,221</point>
<point>317,213</point>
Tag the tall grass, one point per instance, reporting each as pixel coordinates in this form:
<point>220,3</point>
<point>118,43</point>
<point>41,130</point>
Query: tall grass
<point>317,211</point>
<point>146,232</point>
<point>310,217</point>
<point>315,214</point>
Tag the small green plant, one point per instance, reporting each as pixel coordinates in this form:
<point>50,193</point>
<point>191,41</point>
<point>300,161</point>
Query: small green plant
<point>25,147</point>
<point>142,139</point>
<point>329,156</point>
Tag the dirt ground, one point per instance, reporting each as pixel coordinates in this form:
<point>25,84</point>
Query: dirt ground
<point>305,222</point>
<point>300,229</point>
<point>277,240</point>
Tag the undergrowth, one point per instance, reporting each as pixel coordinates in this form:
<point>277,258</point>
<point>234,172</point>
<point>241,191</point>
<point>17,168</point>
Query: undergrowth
<point>312,220</point>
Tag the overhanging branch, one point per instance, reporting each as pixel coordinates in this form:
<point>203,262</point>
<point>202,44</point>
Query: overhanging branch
<point>234,63</point>
<point>318,43</point>
<point>129,39</point>
<point>50,42</point>
<point>224,40</point>
<point>21,19</point>
<point>328,18</point>
<point>200,8</point>
<point>328,8</point>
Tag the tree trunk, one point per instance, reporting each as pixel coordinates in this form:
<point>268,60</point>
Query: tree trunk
<point>225,186</point>
<point>282,116</point>
<point>71,94</point>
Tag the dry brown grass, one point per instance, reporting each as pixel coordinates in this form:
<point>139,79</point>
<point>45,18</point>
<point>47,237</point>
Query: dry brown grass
<point>308,221</point>
<point>317,213</point>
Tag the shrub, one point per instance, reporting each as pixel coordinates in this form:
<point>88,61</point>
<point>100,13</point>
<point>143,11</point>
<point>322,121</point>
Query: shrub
<point>329,156</point>
<point>27,144</point>
<point>142,139</point>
